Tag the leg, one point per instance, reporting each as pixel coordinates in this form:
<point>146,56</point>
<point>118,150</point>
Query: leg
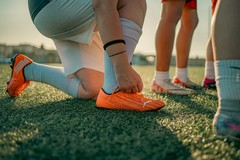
<point>108,14</point>
<point>226,33</point>
<point>129,19</point>
<point>209,76</point>
<point>91,82</point>
<point>189,21</point>
<point>84,62</point>
<point>81,76</point>
<point>171,13</point>
<point>132,30</point>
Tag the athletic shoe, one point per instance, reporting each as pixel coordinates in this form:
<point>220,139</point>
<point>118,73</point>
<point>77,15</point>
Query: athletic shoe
<point>17,82</point>
<point>169,88</point>
<point>125,101</point>
<point>226,126</point>
<point>188,84</point>
<point>209,83</point>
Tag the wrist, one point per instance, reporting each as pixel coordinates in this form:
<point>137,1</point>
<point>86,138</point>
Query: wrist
<point>119,60</point>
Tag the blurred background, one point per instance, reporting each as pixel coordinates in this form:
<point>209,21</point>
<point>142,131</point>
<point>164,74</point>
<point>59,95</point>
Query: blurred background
<point>18,34</point>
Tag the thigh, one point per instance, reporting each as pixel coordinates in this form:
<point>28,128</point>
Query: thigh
<point>61,18</point>
<point>172,9</point>
<point>133,10</point>
<point>189,18</point>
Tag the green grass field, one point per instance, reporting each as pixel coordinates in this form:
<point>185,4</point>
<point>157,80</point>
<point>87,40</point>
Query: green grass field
<point>44,123</point>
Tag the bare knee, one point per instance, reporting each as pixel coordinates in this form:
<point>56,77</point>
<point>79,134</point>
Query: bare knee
<point>189,19</point>
<point>171,17</point>
<point>195,23</point>
<point>88,92</point>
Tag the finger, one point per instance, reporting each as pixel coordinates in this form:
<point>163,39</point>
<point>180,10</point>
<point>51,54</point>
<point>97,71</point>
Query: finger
<point>140,86</point>
<point>135,90</point>
<point>128,90</point>
<point>123,90</point>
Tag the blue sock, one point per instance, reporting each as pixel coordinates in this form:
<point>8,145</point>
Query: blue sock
<point>110,82</point>
<point>53,76</point>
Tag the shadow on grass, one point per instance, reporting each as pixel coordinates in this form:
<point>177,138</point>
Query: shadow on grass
<point>200,103</point>
<point>76,129</point>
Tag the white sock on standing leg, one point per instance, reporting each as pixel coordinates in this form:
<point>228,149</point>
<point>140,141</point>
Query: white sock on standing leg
<point>228,85</point>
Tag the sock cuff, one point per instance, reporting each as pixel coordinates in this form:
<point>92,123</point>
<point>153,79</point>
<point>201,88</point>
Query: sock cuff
<point>182,74</point>
<point>131,29</point>
<point>209,64</point>
<point>73,87</point>
<point>182,69</point>
<point>159,75</point>
<point>233,63</point>
<point>222,67</point>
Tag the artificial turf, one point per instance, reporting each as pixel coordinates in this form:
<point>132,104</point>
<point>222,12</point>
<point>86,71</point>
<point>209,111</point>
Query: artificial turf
<point>45,123</point>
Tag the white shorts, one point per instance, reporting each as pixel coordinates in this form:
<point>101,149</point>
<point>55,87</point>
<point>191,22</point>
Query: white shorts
<point>75,56</point>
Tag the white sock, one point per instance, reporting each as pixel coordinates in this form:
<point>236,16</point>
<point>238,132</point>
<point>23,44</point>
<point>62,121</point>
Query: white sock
<point>160,77</point>
<point>209,70</point>
<point>131,33</point>
<point>53,76</point>
<point>182,74</point>
<point>228,85</point>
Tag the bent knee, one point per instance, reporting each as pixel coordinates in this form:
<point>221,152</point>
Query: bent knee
<point>88,92</point>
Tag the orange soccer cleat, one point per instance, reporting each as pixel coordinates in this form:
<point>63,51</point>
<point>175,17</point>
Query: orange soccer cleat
<point>188,84</point>
<point>125,101</point>
<point>17,82</point>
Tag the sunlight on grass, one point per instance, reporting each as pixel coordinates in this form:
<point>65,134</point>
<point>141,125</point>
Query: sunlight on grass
<point>12,140</point>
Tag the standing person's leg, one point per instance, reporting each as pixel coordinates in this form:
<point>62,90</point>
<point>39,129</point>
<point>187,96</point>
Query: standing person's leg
<point>209,74</point>
<point>189,21</point>
<point>226,35</point>
<point>164,42</point>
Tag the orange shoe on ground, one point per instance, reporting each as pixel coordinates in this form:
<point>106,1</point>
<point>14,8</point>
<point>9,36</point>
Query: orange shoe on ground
<point>188,84</point>
<point>125,101</point>
<point>17,82</point>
